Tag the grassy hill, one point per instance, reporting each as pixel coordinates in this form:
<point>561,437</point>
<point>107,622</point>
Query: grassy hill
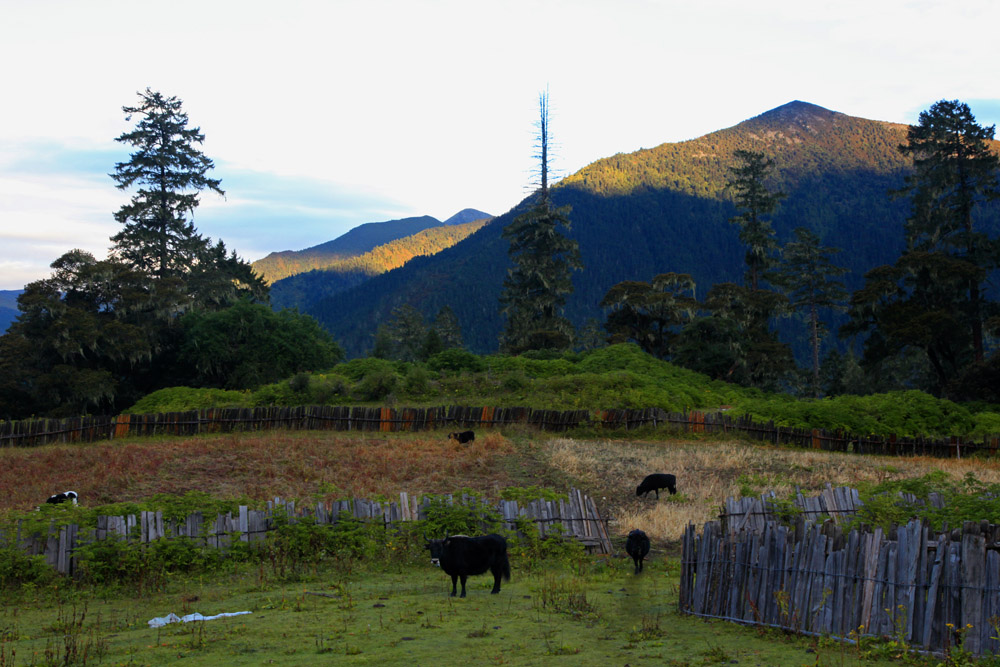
<point>664,209</point>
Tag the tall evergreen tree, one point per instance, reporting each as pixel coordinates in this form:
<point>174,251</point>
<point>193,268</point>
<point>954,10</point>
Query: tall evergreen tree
<point>955,170</point>
<point>811,280</point>
<point>535,289</point>
<point>168,170</point>
<point>756,203</point>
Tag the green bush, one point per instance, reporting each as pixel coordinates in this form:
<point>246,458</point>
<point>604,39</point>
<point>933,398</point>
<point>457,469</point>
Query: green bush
<point>182,399</point>
<point>376,385</point>
<point>457,518</point>
<point>456,360</point>
<point>18,569</point>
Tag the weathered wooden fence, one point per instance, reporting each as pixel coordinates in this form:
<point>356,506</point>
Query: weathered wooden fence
<point>931,590</point>
<point>578,518</point>
<point>751,513</point>
<point>386,419</point>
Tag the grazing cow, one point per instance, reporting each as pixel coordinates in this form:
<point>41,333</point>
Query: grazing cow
<point>462,437</point>
<point>65,496</point>
<point>637,546</point>
<point>655,482</point>
<point>461,556</point>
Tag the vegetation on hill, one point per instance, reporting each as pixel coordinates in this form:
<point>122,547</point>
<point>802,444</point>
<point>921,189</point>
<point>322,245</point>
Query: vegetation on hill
<point>333,275</point>
<point>619,376</point>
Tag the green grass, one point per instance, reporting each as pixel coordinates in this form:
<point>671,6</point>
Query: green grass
<point>596,615</point>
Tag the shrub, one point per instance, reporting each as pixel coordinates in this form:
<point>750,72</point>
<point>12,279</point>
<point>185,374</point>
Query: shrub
<point>18,569</point>
<point>456,360</point>
<point>376,385</point>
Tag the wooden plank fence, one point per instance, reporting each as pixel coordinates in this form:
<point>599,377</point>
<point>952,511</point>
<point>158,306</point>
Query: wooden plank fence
<point>578,517</point>
<point>751,513</point>
<point>812,578</point>
<point>29,433</point>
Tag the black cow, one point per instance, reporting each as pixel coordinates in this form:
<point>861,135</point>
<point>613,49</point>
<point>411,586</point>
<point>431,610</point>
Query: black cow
<point>655,482</point>
<point>462,437</point>
<point>637,546</point>
<point>461,556</point>
<point>65,496</point>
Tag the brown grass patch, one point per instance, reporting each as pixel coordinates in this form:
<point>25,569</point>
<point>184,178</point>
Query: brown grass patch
<point>311,465</point>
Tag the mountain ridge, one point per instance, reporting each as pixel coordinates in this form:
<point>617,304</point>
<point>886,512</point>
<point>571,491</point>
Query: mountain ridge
<point>665,209</point>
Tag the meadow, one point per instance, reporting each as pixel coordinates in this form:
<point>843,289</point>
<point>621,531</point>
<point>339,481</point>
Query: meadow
<point>387,604</point>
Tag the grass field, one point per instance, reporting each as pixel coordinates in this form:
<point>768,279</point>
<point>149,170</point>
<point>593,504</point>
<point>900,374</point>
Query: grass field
<point>580,612</point>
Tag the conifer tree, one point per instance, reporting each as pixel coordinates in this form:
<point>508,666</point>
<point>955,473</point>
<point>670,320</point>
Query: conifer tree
<point>535,289</point>
<point>955,170</point>
<point>811,280</point>
<point>168,170</point>
<point>756,203</point>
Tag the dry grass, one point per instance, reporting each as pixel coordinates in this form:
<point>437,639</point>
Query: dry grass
<point>710,471</point>
<point>258,465</point>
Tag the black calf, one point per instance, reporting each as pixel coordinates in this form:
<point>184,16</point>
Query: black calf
<point>637,546</point>
<point>462,437</point>
<point>655,482</point>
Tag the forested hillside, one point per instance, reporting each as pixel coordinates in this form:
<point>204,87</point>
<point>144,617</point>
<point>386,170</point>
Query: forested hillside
<point>665,209</point>
<point>358,241</point>
<point>303,289</point>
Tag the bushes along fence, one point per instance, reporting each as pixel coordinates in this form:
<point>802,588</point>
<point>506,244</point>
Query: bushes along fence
<point>578,518</point>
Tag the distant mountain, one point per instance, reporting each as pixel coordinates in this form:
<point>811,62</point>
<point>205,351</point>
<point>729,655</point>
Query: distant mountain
<point>303,289</point>
<point>665,209</point>
<point>8,307</point>
<point>467,215</point>
<point>358,241</point>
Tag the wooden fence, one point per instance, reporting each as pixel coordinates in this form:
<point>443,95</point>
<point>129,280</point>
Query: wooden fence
<point>751,513</point>
<point>578,518</point>
<point>30,433</point>
<point>930,590</point>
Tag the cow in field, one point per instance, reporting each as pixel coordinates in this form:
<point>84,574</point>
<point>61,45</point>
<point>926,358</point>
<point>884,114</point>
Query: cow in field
<point>461,556</point>
<point>655,482</point>
<point>64,497</point>
<point>637,546</point>
<point>462,437</point>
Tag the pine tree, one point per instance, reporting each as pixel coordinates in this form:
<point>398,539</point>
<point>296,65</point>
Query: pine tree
<point>756,203</point>
<point>169,171</point>
<point>535,289</point>
<point>955,170</point>
<point>811,280</point>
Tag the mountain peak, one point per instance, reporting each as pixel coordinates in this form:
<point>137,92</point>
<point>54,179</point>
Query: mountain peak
<point>466,215</point>
<point>793,118</point>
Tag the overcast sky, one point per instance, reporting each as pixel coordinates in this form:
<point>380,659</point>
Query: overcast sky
<point>324,115</point>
